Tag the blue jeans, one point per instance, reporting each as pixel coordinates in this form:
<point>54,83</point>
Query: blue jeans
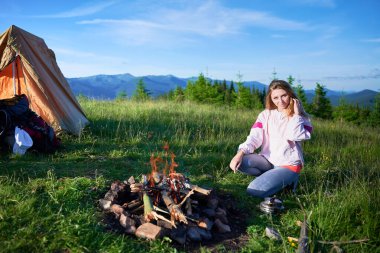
<point>269,179</point>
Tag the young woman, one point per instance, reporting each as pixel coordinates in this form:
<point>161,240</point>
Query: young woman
<point>278,131</point>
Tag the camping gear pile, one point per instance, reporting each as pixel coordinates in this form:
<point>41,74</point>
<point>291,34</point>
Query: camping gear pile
<point>35,96</point>
<point>21,128</point>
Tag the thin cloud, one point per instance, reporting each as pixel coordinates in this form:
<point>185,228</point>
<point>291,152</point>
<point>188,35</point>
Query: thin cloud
<point>80,11</point>
<point>329,33</point>
<point>375,40</point>
<point>321,3</point>
<point>374,74</point>
<point>278,36</point>
<point>316,53</point>
<point>209,19</point>
<point>70,53</point>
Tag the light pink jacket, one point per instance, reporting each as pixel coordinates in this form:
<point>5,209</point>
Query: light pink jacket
<point>279,137</point>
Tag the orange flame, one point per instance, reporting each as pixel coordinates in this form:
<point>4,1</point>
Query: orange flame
<point>173,164</point>
<point>154,166</point>
<point>166,165</point>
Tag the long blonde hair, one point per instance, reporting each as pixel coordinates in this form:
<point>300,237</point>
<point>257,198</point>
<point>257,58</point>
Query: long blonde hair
<point>281,84</point>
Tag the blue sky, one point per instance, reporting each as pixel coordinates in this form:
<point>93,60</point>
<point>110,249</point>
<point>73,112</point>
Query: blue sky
<point>333,42</point>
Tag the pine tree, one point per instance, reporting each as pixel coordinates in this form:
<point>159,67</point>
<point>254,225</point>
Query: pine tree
<point>141,93</point>
<point>178,94</point>
<point>291,80</point>
<point>190,91</point>
<point>122,95</point>
<point>345,111</point>
<point>201,88</point>
<point>374,117</point>
<point>256,101</point>
<point>321,106</point>
<point>300,92</point>
<point>230,96</point>
<point>243,98</point>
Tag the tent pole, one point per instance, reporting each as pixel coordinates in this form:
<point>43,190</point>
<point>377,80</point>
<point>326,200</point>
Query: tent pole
<point>24,76</point>
<point>14,77</point>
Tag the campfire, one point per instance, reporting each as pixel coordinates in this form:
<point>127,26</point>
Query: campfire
<point>166,203</point>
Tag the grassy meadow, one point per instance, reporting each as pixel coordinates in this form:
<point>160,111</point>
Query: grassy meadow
<point>48,203</point>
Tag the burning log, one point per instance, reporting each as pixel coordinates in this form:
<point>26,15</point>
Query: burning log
<point>186,197</point>
<point>175,210</point>
<point>200,189</point>
<point>149,213</point>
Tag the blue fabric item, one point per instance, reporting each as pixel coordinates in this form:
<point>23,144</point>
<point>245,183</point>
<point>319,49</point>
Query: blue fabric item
<point>255,165</point>
<point>272,181</point>
<point>269,179</point>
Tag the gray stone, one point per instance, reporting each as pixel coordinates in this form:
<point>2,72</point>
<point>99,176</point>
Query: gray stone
<point>205,234</point>
<point>209,212</point>
<point>221,211</point>
<point>126,221</point>
<point>149,231</point>
<point>164,224</point>
<point>130,230</point>
<point>110,195</point>
<point>117,210</point>
<point>222,217</point>
<point>131,180</point>
<point>179,234</point>
<point>272,233</point>
<point>213,203</point>
<point>105,204</point>
<point>222,228</point>
<point>205,223</point>
<point>193,234</point>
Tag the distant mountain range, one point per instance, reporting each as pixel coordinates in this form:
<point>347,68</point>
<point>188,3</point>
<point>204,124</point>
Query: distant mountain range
<point>109,86</point>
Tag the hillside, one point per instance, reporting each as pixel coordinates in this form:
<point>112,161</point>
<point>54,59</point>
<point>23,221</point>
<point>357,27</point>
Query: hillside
<point>109,86</point>
<point>362,98</point>
<point>50,202</point>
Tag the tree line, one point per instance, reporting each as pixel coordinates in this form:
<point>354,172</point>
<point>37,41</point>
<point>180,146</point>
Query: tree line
<point>236,94</point>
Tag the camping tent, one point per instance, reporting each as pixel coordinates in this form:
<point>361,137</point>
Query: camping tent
<point>28,66</point>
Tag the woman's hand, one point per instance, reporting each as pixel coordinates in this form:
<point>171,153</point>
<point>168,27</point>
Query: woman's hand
<point>236,161</point>
<point>297,107</point>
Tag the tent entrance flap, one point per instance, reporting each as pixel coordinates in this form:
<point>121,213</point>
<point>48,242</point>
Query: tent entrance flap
<point>12,80</point>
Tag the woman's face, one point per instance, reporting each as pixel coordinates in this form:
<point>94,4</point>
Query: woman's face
<point>280,99</point>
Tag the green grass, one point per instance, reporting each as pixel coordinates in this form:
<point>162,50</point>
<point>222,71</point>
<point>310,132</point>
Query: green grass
<point>48,202</point>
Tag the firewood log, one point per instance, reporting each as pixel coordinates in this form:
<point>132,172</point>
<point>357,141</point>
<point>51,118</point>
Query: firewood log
<point>174,210</point>
<point>148,207</point>
<point>134,203</point>
<point>200,189</point>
